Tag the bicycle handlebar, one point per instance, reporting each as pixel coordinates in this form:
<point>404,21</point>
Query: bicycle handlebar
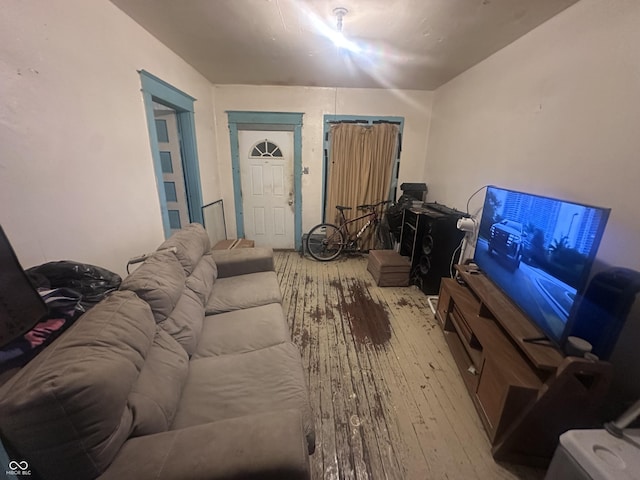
<point>373,206</point>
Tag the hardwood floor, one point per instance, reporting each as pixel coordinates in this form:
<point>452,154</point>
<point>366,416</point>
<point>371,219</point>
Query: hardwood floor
<point>387,397</point>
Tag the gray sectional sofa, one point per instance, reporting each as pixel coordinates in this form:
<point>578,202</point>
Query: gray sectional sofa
<point>186,372</point>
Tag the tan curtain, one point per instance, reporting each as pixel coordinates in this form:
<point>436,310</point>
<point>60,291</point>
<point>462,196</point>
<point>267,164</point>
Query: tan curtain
<point>360,165</point>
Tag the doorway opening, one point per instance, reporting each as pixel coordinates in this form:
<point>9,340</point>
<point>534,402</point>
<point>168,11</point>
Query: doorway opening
<point>267,187</point>
<point>170,121</point>
<point>362,120</point>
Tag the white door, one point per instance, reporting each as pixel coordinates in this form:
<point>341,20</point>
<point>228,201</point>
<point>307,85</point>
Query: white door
<point>172,172</point>
<point>266,178</point>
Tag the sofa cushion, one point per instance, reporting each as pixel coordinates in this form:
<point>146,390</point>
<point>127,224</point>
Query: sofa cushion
<point>266,446</point>
<point>202,278</point>
<point>184,323</point>
<point>159,281</point>
<point>191,242</point>
<point>230,386</point>
<point>242,331</point>
<point>243,260</point>
<point>66,412</point>
<point>243,291</point>
<point>156,394</point>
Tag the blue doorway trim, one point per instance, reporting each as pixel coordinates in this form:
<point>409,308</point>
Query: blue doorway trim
<point>155,89</point>
<point>282,121</point>
<point>361,120</point>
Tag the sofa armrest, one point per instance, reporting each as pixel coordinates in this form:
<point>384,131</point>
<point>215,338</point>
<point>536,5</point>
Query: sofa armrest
<point>264,446</point>
<point>243,260</point>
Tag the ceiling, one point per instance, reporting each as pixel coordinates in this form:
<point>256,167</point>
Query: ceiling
<point>406,44</point>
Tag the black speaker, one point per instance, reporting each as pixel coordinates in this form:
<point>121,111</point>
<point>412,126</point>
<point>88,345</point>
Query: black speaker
<point>603,310</point>
<point>430,239</point>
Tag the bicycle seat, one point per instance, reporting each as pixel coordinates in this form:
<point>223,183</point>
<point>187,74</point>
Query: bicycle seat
<point>341,208</point>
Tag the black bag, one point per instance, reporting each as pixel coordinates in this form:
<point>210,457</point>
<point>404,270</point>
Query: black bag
<point>91,282</point>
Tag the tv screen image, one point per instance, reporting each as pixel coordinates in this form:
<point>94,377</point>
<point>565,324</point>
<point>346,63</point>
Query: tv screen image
<point>539,252</point>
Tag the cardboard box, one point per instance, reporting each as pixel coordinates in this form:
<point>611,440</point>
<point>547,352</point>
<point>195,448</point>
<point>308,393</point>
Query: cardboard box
<point>234,243</point>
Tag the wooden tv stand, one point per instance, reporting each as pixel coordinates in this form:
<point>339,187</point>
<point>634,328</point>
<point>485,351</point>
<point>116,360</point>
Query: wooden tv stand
<point>526,393</point>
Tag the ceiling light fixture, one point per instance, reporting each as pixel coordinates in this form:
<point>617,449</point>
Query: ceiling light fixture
<point>337,37</point>
<point>339,12</point>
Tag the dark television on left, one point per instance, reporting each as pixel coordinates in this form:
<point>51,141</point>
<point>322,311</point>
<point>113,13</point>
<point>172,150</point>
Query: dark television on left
<point>21,306</point>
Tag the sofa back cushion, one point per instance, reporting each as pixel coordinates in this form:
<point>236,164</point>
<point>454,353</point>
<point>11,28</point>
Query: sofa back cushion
<point>202,278</point>
<point>155,396</point>
<point>191,242</point>
<point>159,281</point>
<point>67,411</point>
<point>185,322</point>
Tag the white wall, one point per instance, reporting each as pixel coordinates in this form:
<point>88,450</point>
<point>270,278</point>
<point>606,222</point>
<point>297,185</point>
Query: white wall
<point>314,103</point>
<point>555,113</point>
<point>76,173</point>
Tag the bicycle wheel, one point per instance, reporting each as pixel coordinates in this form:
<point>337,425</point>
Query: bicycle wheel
<point>325,242</point>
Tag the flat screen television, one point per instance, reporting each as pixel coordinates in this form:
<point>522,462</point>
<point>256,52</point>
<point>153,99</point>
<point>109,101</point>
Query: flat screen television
<point>539,252</point>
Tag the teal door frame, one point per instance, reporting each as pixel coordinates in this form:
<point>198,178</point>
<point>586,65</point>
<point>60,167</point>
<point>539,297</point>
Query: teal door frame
<point>278,121</point>
<point>155,89</point>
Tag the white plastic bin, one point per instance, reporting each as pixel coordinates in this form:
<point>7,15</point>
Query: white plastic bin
<point>596,455</point>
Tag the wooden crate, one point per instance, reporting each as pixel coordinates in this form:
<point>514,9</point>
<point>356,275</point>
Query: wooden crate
<point>389,268</point>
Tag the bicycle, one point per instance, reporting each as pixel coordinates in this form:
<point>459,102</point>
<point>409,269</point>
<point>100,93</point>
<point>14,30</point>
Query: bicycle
<point>326,241</point>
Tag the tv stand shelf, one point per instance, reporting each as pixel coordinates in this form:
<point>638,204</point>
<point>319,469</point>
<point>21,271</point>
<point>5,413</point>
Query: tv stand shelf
<point>494,304</point>
<point>526,394</point>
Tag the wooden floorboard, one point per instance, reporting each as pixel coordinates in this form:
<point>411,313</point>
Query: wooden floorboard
<point>387,397</point>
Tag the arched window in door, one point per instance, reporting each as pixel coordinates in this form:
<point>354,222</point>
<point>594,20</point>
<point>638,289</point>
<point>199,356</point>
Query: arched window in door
<point>265,149</point>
